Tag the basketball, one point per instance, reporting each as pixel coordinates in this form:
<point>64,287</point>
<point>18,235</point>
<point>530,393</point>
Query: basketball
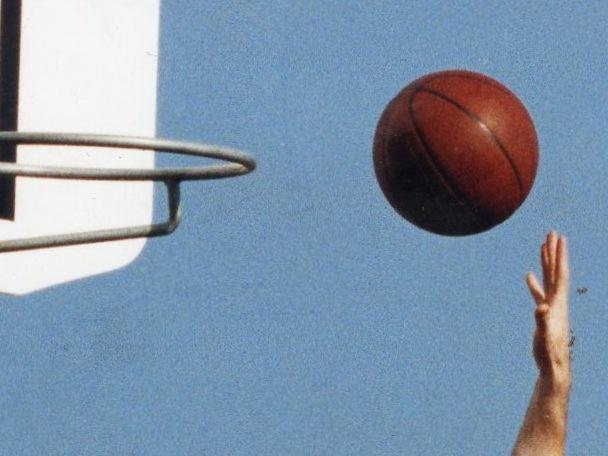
<point>455,153</point>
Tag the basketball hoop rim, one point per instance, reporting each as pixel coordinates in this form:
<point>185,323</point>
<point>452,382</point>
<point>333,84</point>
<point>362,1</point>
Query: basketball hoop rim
<point>241,163</point>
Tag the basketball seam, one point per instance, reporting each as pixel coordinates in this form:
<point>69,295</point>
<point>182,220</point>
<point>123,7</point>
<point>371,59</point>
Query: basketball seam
<point>468,75</point>
<point>385,157</point>
<point>488,131</point>
<point>389,181</point>
<point>445,181</point>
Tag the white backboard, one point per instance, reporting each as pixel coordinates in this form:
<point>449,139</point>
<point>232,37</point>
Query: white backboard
<point>85,67</point>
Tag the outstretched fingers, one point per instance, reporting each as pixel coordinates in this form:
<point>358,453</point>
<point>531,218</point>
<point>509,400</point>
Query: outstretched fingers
<point>549,261</point>
<point>554,261</point>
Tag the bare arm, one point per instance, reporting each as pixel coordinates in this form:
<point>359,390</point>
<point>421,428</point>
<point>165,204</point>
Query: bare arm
<point>544,429</point>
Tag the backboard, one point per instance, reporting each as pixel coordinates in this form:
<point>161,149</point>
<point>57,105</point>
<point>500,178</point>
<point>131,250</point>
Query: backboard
<point>78,67</point>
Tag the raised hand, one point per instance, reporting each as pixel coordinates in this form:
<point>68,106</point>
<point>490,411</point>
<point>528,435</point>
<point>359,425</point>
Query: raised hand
<point>552,336</point>
<point>543,431</point>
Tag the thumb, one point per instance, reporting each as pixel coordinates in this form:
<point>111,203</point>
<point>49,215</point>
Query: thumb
<point>535,289</point>
<point>540,314</point>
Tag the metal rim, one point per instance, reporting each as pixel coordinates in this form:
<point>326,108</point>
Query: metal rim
<point>241,163</point>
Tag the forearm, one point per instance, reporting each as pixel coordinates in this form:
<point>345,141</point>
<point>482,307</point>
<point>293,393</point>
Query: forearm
<point>544,429</point>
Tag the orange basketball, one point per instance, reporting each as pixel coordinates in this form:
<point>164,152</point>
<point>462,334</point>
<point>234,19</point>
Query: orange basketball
<point>455,152</point>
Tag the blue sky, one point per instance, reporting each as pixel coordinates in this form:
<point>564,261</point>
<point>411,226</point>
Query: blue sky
<point>294,312</point>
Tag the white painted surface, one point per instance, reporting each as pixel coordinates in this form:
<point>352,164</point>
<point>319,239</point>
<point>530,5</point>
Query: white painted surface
<point>86,67</point>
